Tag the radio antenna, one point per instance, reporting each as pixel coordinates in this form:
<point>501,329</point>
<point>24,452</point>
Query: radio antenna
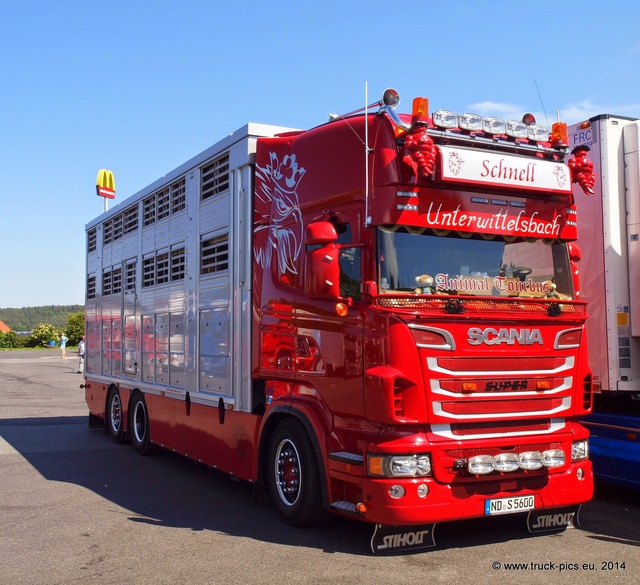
<point>542,103</point>
<point>367,219</point>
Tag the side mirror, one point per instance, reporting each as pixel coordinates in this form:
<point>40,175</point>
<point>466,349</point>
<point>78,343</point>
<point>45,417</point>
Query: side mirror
<point>322,267</point>
<point>320,233</point>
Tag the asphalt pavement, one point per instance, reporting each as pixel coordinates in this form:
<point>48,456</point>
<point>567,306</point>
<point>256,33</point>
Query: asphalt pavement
<point>77,508</point>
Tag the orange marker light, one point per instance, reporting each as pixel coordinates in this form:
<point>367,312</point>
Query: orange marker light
<point>559,135</point>
<point>420,110</point>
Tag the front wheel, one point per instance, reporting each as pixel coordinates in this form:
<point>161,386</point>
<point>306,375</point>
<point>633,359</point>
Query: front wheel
<point>139,425</point>
<point>293,477</point>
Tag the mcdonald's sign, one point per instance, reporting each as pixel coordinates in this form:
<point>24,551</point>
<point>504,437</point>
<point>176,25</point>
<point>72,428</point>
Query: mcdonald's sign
<point>105,184</point>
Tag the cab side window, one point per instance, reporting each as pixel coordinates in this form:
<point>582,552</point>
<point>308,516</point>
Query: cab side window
<point>350,275</point>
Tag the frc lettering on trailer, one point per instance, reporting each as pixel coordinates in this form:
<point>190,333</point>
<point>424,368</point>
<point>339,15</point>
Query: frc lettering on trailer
<point>491,336</point>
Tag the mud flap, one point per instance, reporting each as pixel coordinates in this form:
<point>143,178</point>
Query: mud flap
<point>95,422</point>
<point>393,539</point>
<point>553,520</point>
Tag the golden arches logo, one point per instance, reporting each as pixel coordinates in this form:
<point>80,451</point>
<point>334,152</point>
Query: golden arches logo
<point>106,184</point>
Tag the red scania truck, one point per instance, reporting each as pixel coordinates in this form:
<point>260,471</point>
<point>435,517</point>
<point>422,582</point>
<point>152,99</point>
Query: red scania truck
<point>378,317</point>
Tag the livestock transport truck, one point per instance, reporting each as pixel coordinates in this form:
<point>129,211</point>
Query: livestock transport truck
<point>378,318</point>
<point>610,270</point>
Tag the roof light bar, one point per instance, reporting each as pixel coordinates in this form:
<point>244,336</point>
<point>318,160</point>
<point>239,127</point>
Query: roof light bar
<point>469,122</point>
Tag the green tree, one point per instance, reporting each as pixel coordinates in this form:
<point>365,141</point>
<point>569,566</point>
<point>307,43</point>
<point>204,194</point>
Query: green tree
<point>75,328</point>
<point>8,340</point>
<point>42,334</point>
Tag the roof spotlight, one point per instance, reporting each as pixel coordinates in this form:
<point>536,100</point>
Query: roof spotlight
<point>391,98</point>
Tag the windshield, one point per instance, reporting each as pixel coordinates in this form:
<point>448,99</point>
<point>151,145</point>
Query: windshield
<point>417,260</point>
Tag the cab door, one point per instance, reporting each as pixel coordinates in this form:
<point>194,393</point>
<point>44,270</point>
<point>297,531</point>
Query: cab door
<point>329,332</point>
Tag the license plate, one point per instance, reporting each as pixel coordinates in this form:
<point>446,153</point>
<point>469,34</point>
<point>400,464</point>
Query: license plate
<point>509,505</point>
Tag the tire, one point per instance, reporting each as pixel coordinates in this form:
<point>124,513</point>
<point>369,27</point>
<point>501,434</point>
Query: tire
<point>139,425</point>
<point>113,420</point>
<point>293,478</point>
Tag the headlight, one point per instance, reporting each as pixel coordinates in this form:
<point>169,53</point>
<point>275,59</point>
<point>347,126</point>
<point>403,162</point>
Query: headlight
<point>580,450</point>
<point>398,465</point>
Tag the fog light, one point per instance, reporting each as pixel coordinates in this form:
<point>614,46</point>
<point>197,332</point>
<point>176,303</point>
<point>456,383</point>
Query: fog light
<point>480,464</point>
<point>530,460</point>
<point>506,462</point>
<point>396,491</point>
<point>580,474</point>
<point>423,490</point>
<point>553,458</point>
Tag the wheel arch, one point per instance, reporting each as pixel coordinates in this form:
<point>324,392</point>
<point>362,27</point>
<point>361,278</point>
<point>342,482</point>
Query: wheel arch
<point>274,418</point>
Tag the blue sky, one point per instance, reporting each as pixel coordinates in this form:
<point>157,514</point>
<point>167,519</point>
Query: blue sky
<point>141,86</point>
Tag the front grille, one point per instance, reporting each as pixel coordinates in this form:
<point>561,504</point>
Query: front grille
<point>500,427</point>
<point>501,406</point>
<point>503,364</point>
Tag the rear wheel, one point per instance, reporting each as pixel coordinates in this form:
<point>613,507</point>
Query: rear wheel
<point>139,424</point>
<point>293,475</point>
<point>113,417</point>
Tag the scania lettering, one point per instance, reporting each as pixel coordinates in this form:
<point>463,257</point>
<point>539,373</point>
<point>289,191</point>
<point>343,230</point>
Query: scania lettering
<point>270,308</point>
<point>610,280</point>
<point>492,336</point>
